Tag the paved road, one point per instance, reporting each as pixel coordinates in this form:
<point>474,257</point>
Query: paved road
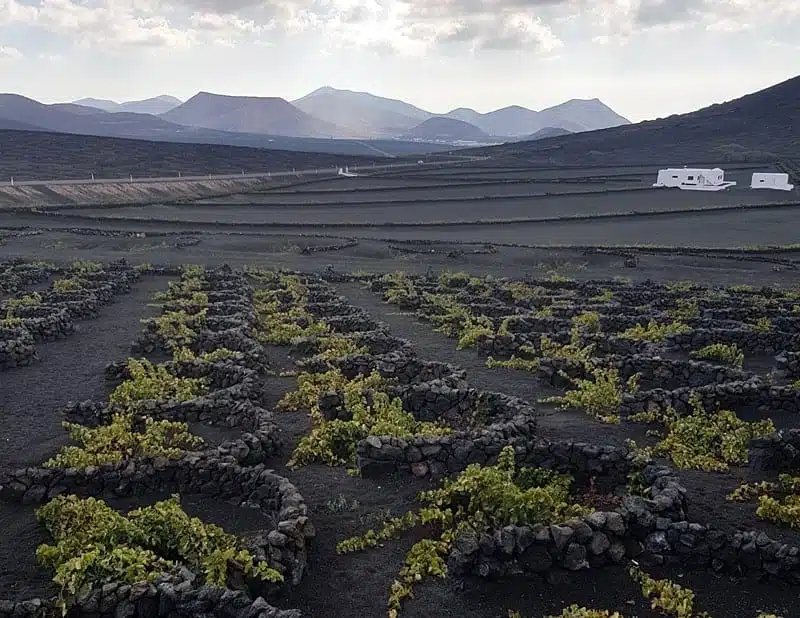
<point>316,171</point>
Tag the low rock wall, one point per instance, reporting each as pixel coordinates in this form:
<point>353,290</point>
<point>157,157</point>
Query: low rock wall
<point>603,537</point>
<point>654,372</point>
<point>749,341</point>
<point>778,451</point>
<point>729,396</point>
<point>46,323</point>
<point>788,363</point>
<point>194,473</point>
<point>167,597</point>
<point>16,347</point>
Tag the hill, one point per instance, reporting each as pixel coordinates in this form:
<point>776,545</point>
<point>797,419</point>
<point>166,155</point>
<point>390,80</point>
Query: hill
<point>258,115</point>
<point>545,133</point>
<point>73,118</point>
<point>105,105</point>
<point>515,121</point>
<point>759,126</point>
<point>361,112</point>
<point>581,115</point>
<point>155,105</point>
<point>38,155</point>
<point>441,128</point>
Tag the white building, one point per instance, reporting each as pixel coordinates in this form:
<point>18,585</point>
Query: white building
<point>693,179</point>
<point>763,180</point>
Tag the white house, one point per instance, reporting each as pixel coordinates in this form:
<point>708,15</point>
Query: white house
<point>693,179</point>
<point>763,180</point>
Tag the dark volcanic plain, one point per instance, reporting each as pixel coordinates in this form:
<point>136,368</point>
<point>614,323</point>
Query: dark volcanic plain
<point>582,223</point>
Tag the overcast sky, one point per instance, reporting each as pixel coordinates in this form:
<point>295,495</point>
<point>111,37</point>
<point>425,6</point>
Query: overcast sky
<point>644,58</point>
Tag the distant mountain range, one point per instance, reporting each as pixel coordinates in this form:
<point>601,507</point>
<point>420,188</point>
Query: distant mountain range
<point>327,113</point>
<point>23,114</point>
<point>382,117</point>
<point>760,126</point>
<point>157,105</point>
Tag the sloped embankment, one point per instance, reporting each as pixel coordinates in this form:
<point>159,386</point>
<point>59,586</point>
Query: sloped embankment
<point>123,192</point>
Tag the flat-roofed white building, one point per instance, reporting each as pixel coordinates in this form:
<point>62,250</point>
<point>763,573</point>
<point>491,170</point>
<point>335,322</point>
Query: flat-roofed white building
<point>693,179</point>
<point>771,180</point>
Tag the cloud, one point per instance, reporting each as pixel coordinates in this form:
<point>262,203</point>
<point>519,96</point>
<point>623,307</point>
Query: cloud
<point>9,54</point>
<point>122,24</point>
<point>415,27</point>
<point>620,20</point>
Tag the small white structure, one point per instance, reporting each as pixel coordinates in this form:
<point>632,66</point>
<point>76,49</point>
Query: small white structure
<point>693,179</point>
<point>763,180</point>
<point>347,172</point>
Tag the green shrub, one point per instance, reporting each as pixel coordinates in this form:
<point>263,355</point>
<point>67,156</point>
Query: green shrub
<point>371,412</point>
<point>777,502</point>
<point>655,332</point>
<point>729,354</point>
<point>762,325</point>
<point>599,396</point>
<point>480,499</point>
<point>117,442</point>
<point>68,286</point>
<point>709,441</point>
<point>148,381</point>
<point>29,300</point>
<point>95,545</point>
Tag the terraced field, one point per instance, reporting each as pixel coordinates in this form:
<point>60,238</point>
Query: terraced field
<point>592,408</point>
<point>575,442</point>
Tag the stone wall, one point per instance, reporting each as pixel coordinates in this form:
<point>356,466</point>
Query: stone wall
<point>752,393</point>
<point>749,341</point>
<point>53,318</point>
<point>167,597</point>
<point>788,363</point>
<point>654,372</point>
<point>603,537</point>
<point>206,474</point>
<point>778,451</point>
<point>16,347</point>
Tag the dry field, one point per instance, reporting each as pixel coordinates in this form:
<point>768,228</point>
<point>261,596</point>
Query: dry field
<point>584,419</point>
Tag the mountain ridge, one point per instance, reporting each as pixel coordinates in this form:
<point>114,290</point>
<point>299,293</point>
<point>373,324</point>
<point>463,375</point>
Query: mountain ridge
<point>154,105</point>
<point>758,126</point>
<point>328,112</point>
<point>257,115</point>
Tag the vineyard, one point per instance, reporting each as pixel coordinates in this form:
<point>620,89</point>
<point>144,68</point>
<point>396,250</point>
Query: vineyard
<point>278,444</point>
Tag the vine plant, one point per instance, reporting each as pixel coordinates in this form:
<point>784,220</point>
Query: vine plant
<point>600,396</point>
<point>710,441</point>
<point>119,441</point>
<point>367,410</point>
<point>95,545</point>
<point>778,502</point>
<point>479,499</point>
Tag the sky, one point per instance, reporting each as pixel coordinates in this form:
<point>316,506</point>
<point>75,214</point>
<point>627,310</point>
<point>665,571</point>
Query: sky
<point>644,58</point>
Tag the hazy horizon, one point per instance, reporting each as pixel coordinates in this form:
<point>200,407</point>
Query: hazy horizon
<point>643,58</point>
